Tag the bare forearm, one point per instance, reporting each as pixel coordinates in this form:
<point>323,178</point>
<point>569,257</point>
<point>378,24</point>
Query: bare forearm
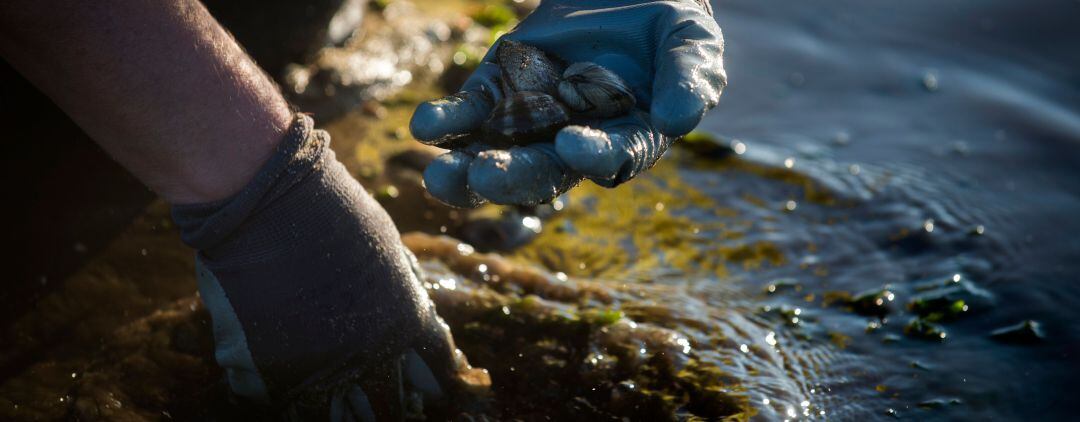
<point>159,84</point>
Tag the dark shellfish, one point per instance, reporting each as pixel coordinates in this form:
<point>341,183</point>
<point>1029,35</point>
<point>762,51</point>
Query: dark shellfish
<point>526,117</point>
<point>594,91</point>
<point>527,68</point>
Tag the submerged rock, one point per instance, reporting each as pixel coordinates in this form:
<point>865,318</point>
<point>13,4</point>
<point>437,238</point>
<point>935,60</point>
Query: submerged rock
<point>921,328</point>
<point>706,145</point>
<point>948,300</point>
<point>876,302</point>
<point>1024,332</point>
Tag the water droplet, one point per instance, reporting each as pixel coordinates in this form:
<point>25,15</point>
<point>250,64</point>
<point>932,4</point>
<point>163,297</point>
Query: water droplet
<point>532,223</point>
<point>930,81</point>
<point>738,147</point>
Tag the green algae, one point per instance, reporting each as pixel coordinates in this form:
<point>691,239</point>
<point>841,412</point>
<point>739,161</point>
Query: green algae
<point>643,227</point>
<point>495,15</point>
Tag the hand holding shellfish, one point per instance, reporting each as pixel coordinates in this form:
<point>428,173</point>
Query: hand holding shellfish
<point>578,90</point>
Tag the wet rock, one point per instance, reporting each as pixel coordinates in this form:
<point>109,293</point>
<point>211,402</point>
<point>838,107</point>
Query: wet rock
<point>299,29</point>
<point>938,403</point>
<point>876,302</point>
<point>398,45</point>
<point>1024,332</point>
<point>949,300</point>
<point>556,348</point>
<point>921,328</point>
<point>705,145</point>
<point>509,230</point>
<point>161,364</point>
<point>789,315</point>
<point>783,284</point>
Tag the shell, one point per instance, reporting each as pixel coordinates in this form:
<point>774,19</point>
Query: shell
<point>526,117</point>
<point>592,90</point>
<point>527,68</point>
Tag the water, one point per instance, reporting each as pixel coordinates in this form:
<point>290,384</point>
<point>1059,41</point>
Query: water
<point>886,144</point>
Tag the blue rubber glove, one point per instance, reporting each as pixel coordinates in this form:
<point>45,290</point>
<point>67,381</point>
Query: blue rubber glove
<point>317,307</point>
<point>668,51</point>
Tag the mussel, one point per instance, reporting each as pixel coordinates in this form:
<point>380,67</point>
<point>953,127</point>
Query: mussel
<point>526,117</point>
<point>594,91</point>
<point>527,68</point>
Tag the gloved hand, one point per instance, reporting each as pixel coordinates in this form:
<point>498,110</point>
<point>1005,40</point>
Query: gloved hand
<point>670,53</point>
<point>316,305</point>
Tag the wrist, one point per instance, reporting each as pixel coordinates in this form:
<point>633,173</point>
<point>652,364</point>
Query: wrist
<point>220,165</point>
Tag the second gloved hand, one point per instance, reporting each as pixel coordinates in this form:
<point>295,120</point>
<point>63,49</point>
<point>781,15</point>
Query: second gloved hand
<point>316,305</point>
<point>668,51</point>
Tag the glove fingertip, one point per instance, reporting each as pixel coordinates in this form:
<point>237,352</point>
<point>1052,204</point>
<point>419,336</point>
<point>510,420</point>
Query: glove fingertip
<point>446,178</point>
<point>519,176</point>
<point>453,116</point>
<point>676,114</point>
<point>423,126</point>
<point>589,151</point>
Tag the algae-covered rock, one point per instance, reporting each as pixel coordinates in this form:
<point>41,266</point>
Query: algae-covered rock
<point>949,300</point>
<point>876,302</point>
<point>921,328</point>
<point>706,145</point>
<point>562,349</point>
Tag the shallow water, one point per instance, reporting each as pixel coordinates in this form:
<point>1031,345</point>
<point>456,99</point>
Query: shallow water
<point>896,145</point>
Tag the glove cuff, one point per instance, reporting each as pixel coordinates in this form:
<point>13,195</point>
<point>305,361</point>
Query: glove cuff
<point>204,226</point>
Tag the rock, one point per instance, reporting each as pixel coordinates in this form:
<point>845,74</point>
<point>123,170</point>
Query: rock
<point>279,32</point>
<point>705,145</point>
<point>949,300</point>
<point>1024,332</point>
<point>920,328</point>
<point>876,302</point>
